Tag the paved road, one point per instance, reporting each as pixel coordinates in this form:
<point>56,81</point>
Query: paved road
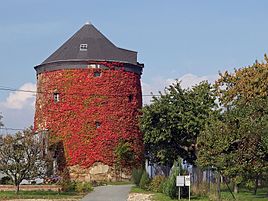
<point>109,193</point>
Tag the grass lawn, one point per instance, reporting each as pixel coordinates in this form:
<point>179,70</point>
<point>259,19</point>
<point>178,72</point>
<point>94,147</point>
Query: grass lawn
<point>6,195</point>
<point>136,189</point>
<point>243,195</point>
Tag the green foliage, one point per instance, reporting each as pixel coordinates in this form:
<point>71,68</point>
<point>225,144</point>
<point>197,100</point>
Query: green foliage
<point>145,181</point>
<point>136,175</point>
<point>76,186</point>
<point>136,189</point>
<point>235,140</point>
<point>157,184</point>
<point>83,187</point>
<point>124,153</point>
<point>174,120</point>
<point>169,187</point>
<point>67,186</point>
<point>40,194</point>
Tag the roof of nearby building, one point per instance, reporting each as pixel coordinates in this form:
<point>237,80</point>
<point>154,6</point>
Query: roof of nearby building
<point>95,47</point>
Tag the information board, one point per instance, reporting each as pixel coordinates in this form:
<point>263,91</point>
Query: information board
<point>180,181</point>
<point>187,180</point>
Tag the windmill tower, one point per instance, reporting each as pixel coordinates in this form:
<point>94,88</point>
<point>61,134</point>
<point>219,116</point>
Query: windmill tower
<point>87,107</point>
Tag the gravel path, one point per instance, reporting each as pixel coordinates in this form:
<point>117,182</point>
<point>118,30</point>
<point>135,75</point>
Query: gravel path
<point>139,197</point>
<point>109,193</point>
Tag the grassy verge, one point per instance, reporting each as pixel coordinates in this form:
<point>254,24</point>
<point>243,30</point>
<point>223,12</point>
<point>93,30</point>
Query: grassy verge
<point>136,189</point>
<point>7,195</point>
<point>243,195</point>
<point>120,183</point>
<point>163,197</point>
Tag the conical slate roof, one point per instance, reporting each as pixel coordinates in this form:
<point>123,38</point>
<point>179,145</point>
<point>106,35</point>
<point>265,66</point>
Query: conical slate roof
<point>90,44</point>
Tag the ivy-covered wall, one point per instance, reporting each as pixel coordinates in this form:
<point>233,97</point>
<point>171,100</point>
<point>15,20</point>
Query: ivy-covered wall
<point>93,114</point>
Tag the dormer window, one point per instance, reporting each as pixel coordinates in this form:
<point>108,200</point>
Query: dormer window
<point>56,97</point>
<point>83,47</point>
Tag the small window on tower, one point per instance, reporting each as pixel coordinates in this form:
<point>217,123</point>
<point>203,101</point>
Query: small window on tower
<point>56,97</point>
<point>130,98</point>
<point>83,47</point>
<point>97,74</point>
<point>98,124</point>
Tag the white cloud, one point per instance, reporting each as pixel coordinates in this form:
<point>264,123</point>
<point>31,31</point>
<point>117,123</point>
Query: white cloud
<point>189,80</point>
<point>18,99</point>
<point>159,84</point>
<point>18,108</point>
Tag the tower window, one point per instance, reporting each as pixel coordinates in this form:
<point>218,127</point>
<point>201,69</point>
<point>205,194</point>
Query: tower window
<point>130,98</point>
<point>97,74</point>
<point>83,47</point>
<point>98,124</point>
<point>56,97</point>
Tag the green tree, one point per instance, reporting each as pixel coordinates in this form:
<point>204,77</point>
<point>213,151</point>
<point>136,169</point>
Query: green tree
<point>235,141</point>
<point>21,156</point>
<point>244,85</point>
<point>172,123</point>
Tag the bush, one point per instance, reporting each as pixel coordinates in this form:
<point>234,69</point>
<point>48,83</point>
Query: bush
<point>145,181</point>
<point>156,184</point>
<point>67,186</point>
<point>136,176</point>
<point>169,187</point>
<point>75,186</point>
<point>6,180</point>
<point>201,189</point>
<point>83,187</point>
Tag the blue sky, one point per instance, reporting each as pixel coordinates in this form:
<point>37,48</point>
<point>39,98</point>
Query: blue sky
<point>189,40</point>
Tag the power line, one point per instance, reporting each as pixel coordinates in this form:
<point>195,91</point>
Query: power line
<point>3,88</point>
<point>13,129</point>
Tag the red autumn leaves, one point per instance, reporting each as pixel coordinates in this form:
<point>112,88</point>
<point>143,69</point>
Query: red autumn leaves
<point>93,114</point>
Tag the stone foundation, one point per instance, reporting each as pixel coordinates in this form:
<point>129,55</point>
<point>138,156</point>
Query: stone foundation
<point>98,172</point>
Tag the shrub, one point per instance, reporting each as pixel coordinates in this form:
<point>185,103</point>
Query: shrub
<point>201,189</point>
<point>75,186</point>
<point>98,183</point>
<point>156,184</point>
<point>83,187</point>
<point>6,180</point>
<point>136,176</point>
<point>169,187</point>
<point>145,181</point>
<point>67,186</point>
